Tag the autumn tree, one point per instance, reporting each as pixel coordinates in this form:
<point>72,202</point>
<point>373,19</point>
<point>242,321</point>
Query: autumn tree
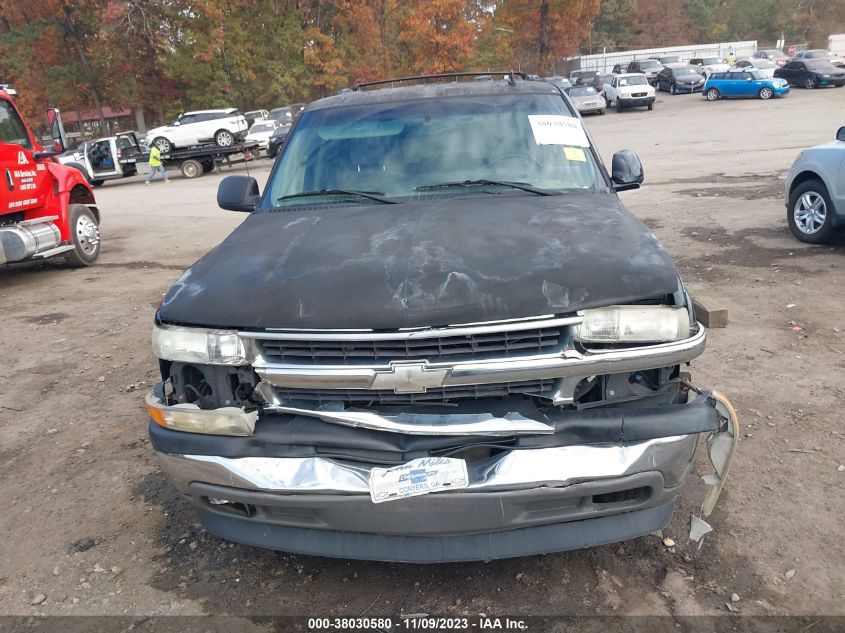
<point>544,31</point>
<point>437,35</point>
<point>661,23</point>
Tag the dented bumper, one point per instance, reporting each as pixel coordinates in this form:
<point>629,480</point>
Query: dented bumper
<point>301,484</point>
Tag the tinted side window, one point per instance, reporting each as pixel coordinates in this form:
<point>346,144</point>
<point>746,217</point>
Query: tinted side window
<point>188,119</point>
<point>12,129</point>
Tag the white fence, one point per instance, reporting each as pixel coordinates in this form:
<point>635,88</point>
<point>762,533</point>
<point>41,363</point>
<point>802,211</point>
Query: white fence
<point>604,62</point>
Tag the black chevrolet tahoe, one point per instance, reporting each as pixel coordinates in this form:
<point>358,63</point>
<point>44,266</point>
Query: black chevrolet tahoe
<point>436,336</point>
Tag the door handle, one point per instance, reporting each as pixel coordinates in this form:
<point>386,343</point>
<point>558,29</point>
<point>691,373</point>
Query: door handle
<point>9,182</point>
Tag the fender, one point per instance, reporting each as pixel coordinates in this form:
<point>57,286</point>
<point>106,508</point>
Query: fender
<point>69,187</point>
<point>80,168</point>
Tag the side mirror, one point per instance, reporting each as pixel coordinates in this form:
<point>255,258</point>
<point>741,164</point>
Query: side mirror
<point>840,134</point>
<point>238,193</point>
<point>627,170</point>
<point>57,130</point>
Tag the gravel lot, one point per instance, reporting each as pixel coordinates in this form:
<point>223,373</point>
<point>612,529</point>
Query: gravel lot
<point>92,525</point>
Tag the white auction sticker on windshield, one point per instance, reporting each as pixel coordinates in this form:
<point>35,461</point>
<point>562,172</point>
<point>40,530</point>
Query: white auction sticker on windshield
<point>555,129</point>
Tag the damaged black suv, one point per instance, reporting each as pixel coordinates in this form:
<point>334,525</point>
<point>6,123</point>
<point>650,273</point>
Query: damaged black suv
<point>438,335</point>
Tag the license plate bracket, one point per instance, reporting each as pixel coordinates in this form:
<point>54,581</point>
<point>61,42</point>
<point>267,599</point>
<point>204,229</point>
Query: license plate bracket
<point>418,477</point>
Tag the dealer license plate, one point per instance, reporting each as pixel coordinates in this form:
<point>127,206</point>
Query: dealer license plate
<point>418,477</point>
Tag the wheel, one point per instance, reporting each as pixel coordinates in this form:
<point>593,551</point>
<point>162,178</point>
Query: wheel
<point>712,94</point>
<point>207,166</point>
<point>600,111</point>
<point>766,92</point>
<point>619,105</point>
<point>85,234</point>
<point>97,183</point>
<point>672,89</point>
<point>224,138</point>
<point>809,82</point>
<point>606,102</point>
<point>810,213</point>
<point>163,145</point>
<point>192,168</point>
<point>651,106</point>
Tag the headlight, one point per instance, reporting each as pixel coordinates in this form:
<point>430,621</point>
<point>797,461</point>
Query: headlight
<point>634,324</point>
<point>195,345</point>
<point>191,419</point>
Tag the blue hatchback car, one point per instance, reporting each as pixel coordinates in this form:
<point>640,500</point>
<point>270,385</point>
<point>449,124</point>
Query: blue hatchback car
<point>743,83</point>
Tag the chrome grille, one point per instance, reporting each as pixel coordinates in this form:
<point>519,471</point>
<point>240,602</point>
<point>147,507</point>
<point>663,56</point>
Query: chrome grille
<point>481,346</point>
<point>540,388</point>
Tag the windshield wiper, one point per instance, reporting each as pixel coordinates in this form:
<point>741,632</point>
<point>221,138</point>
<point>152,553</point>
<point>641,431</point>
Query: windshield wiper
<point>523,186</point>
<point>369,195</point>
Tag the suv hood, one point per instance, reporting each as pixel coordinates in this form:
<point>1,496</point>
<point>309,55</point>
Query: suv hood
<point>160,130</point>
<point>423,263</point>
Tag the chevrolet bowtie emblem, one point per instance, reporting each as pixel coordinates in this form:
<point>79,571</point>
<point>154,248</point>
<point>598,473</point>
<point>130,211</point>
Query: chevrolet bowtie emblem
<point>409,378</point>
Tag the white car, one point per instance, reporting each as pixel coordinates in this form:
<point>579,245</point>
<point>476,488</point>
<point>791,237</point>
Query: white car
<point>203,127</point>
<point>629,90</point>
<point>261,131</point>
<point>707,65</point>
<point>815,196</point>
<point>765,66</point>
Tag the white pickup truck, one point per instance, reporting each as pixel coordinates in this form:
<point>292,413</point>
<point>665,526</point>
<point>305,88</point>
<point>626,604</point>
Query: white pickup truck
<point>629,90</point>
<point>107,158</point>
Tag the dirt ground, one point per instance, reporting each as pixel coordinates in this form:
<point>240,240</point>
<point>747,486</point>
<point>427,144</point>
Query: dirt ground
<point>91,523</point>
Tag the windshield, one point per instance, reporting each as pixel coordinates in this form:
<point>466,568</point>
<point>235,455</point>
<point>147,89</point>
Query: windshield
<point>561,82</point>
<point>670,60</point>
<point>582,91</point>
<point>633,80</point>
<point>759,74</point>
<point>262,127</point>
<point>398,149</point>
<point>687,73</point>
<point>711,60</point>
<point>649,63</point>
<point>819,64</point>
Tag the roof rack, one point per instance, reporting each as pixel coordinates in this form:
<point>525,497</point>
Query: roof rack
<point>511,75</point>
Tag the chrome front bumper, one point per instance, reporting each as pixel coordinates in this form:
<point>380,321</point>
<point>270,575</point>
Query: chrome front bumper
<point>514,470</point>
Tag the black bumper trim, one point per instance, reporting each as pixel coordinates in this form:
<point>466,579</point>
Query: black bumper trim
<point>440,515</point>
<point>542,539</point>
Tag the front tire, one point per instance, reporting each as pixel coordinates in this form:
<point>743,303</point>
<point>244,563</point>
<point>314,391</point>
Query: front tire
<point>810,213</point>
<point>224,138</point>
<point>651,106</point>
<point>712,94</point>
<point>85,233</point>
<point>766,93</point>
<point>672,89</point>
<point>163,145</point>
<point>809,83</point>
<point>619,106</point>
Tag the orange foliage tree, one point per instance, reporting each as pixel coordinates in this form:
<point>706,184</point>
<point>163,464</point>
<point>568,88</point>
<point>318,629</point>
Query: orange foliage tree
<point>542,32</point>
<point>438,35</point>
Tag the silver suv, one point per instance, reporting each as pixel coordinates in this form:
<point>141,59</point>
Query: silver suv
<point>815,192</point>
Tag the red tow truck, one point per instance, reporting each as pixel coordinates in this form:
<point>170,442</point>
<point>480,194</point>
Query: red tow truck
<point>46,209</point>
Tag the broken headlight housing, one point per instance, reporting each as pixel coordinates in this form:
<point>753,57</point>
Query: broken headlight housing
<point>634,324</point>
<point>198,345</point>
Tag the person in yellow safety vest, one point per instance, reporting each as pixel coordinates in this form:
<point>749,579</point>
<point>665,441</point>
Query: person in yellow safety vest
<point>156,165</point>
<point>731,59</point>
